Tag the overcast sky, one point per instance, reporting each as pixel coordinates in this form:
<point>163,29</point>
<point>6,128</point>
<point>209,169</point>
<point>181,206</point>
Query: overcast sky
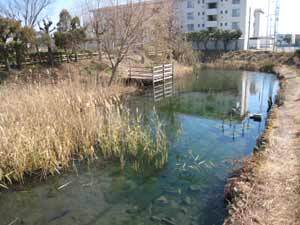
<point>289,14</point>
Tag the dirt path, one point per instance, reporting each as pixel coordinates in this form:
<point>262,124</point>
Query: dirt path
<point>269,193</point>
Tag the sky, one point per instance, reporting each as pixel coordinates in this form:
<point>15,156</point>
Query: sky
<point>289,21</point>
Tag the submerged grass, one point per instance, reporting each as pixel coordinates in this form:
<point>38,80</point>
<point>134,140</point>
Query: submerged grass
<point>44,128</point>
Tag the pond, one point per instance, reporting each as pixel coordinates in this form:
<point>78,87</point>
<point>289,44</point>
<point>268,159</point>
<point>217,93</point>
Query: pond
<point>208,127</point>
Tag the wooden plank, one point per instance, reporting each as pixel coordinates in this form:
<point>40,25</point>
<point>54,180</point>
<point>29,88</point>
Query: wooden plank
<point>157,67</point>
<point>141,75</point>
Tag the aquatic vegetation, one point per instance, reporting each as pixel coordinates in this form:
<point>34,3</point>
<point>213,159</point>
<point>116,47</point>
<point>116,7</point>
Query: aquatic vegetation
<point>191,163</point>
<point>44,128</point>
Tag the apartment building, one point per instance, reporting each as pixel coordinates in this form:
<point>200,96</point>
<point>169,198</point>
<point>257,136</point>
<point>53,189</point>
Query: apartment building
<point>249,16</point>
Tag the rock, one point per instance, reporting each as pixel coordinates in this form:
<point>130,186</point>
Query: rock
<point>256,149</point>
<point>195,187</point>
<point>174,191</point>
<point>169,221</point>
<point>187,200</point>
<point>256,117</point>
<point>163,200</point>
<point>174,204</point>
<point>184,210</point>
<point>155,218</point>
<point>135,209</point>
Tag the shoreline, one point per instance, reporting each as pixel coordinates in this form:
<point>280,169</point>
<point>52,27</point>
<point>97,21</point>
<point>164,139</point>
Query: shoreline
<point>246,184</point>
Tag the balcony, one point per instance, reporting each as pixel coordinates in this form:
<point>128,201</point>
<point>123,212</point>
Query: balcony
<point>211,23</point>
<point>211,1</point>
<point>212,12</point>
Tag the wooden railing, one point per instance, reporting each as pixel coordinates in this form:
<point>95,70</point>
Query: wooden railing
<point>58,58</point>
<point>161,77</point>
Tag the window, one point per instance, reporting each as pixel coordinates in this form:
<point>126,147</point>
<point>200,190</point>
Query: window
<point>212,5</point>
<point>190,27</point>
<point>190,15</point>
<point>235,2</point>
<point>190,4</point>
<point>236,12</point>
<point>212,18</point>
<point>235,26</point>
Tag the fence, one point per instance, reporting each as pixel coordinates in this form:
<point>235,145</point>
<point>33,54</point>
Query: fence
<point>57,56</point>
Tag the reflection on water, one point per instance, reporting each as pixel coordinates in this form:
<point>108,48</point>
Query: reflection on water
<point>207,124</point>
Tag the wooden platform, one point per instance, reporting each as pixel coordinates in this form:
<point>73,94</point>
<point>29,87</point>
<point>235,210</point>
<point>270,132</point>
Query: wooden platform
<point>160,77</point>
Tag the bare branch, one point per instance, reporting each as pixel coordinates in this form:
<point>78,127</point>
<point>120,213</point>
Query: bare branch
<point>28,11</point>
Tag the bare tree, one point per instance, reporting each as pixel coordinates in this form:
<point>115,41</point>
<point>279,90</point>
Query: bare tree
<point>94,22</point>
<point>46,32</point>
<point>162,29</point>
<point>122,27</point>
<point>28,11</point>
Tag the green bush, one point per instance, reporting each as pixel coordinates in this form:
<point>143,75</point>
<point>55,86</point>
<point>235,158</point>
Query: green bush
<point>297,53</point>
<point>268,67</point>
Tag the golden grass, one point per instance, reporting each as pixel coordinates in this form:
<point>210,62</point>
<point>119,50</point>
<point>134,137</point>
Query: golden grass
<point>43,128</point>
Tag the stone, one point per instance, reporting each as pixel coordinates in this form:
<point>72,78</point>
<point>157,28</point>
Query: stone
<point>187,200</point>
<point>169,221</point>
<point>184,210</point>
<point>174,204</point>
<point>155,218</point>
<point>135,209</point>
<point>163,200</point>
<point>195,187</point>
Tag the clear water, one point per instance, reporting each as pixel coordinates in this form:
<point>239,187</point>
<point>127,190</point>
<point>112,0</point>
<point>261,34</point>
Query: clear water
<point>208,128</point>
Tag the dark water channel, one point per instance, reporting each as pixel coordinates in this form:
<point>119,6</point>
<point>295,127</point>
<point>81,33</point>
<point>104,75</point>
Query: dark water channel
<point>208,127</point>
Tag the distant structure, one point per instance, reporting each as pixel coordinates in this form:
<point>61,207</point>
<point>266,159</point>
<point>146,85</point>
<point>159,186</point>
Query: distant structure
<point>257,19</point>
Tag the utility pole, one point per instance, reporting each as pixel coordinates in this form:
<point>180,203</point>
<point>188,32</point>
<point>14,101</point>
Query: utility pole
<point>277,13</point>
<point>268,22</point>
<point>249,29</point>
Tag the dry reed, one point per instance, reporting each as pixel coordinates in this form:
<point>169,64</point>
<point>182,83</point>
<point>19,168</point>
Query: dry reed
<point>43,128</point>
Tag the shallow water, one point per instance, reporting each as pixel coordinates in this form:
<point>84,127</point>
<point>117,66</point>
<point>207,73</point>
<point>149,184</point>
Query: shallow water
<point>208,127</point>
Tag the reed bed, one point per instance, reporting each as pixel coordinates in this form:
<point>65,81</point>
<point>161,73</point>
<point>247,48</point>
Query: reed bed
<point>44,128</point>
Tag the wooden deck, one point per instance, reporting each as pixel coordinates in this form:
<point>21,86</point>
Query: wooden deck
<point>160,77</point>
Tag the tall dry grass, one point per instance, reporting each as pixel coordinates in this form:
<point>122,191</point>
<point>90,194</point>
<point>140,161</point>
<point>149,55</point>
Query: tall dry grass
<point>43,128</point>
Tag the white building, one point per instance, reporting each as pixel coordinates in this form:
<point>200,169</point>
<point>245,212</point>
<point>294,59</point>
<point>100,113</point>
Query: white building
<point>249,16</point>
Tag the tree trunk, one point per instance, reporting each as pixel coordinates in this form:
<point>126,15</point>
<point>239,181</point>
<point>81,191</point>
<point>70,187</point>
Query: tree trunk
<point>38,52</point>
<point>205,45</point>
<point>19,57</point>
<point>99,50</point>
<point>236,45</point>
<point>225,46</point>
<point>7,64</point>
<point>198,45</point>
<point>113,75</point>
<point>50,56</point>
<point>216,44</point>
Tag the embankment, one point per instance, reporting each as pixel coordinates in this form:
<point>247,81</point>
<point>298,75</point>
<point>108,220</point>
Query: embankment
<point>267,189</point>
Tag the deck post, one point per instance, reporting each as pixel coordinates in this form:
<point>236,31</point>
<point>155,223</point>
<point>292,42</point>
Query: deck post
<point>153,84</point>
<point>130,72</point>
<point>163,68</point>
<point>173,72</point>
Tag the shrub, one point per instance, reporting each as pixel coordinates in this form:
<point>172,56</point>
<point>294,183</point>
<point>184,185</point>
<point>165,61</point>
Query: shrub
<point>267,67</point>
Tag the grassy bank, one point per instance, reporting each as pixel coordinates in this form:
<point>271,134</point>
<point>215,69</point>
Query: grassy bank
<point>263,61</point>
<point>44,127</point>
